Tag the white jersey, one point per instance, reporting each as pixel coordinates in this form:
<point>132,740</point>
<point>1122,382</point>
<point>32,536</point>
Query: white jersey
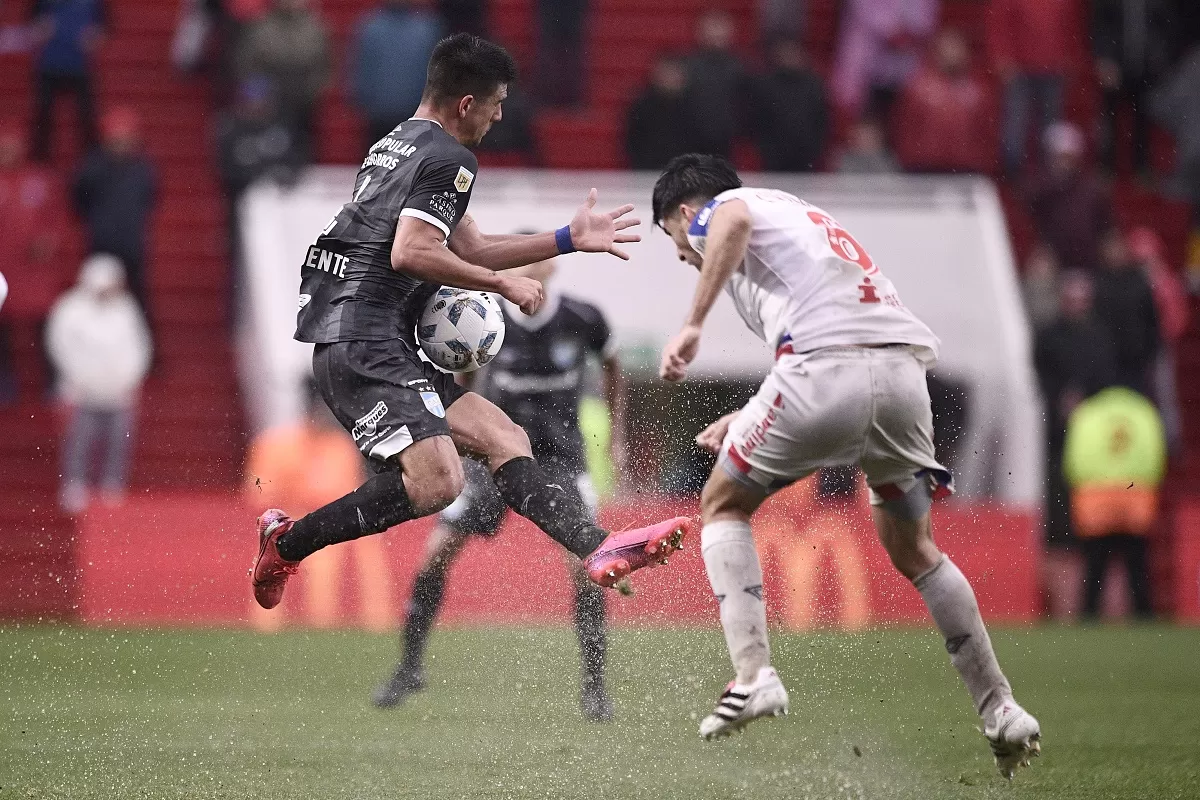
<point>806,283</point>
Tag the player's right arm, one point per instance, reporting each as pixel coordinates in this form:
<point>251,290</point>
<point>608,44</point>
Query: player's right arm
<point>418,250</point>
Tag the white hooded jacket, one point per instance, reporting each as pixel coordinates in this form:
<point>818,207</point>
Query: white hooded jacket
<point>97,338</point>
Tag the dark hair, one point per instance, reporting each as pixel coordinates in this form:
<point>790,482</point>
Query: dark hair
<point>465,64</point>
<point>691,177</point>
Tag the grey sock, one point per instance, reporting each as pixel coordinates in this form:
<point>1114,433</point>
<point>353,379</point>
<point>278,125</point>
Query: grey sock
<point>735,574</point>
<point>952,604</point>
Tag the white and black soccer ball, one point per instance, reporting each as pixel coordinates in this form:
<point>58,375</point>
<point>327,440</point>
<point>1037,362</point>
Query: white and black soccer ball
<point>461,330</point>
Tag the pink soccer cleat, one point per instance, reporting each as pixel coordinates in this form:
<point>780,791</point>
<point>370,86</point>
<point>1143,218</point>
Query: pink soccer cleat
<point>270,571</point>
<point>625,552</point>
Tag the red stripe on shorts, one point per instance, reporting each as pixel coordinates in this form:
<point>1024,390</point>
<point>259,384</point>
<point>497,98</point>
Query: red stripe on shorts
<point>742,464</point>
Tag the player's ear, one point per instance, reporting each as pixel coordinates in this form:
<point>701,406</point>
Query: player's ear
<point>689,212</point>
<point>464,105</point>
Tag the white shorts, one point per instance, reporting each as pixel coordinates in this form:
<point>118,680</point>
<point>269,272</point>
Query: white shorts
<point>833,407</point>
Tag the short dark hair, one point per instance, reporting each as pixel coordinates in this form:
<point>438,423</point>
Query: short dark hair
<point>691,177</point>
<point>465,64</point>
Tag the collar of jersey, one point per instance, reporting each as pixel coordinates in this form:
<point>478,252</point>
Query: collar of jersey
<point>426,119</point>
<point>544,314</point>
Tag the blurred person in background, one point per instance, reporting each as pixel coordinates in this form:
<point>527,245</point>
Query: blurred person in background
<point>945,120</point>
<point>1074,359</point>
<point>1124,304</point>
<point>1133,44</point>
<point>1171,303</point>
<point>100,346</point>
<point>1114,461</point>
<point>782,19</point>
<point>1032,45</point>
<point>34,212</point>
<point>866,151</point>
<point>656,128</point>
<point>561,52</point>
<point>299,467</point>
<point>391,48</point>
<point>1039,287</point>
<point>1175,105</point>
<point>464,16</point>
<point>879,49</point>
<point>67,35</point>
<point>289,45</point>
<point>537,379</point>
<point>714,85</point>
<point>1071,206</point>
<point>115,192</point>
<point>787,113</point>
<point>252,143</point>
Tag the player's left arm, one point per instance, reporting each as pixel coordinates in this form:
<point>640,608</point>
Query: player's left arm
<point>727,241</point>
<point>589,231</point>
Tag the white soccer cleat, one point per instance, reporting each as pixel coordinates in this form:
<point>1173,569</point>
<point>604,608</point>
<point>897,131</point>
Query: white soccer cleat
<point>741,704</point>
<point>1015,737</point>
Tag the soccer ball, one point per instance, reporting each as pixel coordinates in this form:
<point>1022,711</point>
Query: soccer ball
<point>460,330</point>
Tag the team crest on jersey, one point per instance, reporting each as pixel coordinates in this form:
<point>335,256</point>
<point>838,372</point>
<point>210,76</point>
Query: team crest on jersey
<point>304,299</point>
<point>563,353</point>
<point>433,404</point>
<point>464,179</point>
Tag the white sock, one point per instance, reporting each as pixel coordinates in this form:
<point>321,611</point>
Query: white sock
<point>951,601</point>
<point>736,577</point>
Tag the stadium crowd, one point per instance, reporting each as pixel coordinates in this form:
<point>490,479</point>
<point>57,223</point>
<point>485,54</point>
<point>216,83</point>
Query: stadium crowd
<point>901,92</point>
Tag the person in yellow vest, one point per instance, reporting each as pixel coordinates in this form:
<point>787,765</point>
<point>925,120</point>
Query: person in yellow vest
<point>1113,461</point>
<point>302,466</point>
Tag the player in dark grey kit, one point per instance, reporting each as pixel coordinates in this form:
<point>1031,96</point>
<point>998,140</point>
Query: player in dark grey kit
<point>536,379</point>
<point>404,233</point>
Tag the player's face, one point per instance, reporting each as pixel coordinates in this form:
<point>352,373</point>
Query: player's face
<point>676,227</point>
<point>482,113</point>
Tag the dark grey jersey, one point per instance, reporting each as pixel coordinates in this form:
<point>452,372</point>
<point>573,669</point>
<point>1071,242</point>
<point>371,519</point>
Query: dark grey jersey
<point>348,289</point>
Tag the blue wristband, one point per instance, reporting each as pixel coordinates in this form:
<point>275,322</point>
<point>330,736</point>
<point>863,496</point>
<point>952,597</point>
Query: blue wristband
<point>562,238</point>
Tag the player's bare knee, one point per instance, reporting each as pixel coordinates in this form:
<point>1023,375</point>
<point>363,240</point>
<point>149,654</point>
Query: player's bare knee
<point>723,498</point>
<point>437,486</point>
<point>508,441</point>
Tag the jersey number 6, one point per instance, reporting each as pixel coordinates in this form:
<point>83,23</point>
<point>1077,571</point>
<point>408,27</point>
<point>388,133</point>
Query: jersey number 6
<point>844,245</point>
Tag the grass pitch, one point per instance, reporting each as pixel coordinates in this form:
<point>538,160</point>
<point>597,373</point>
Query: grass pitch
<point>217,714</point>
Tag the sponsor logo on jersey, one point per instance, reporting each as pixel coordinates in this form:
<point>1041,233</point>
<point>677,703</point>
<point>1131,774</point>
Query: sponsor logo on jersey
<point>444,207</point>
<point>563,353</point>
<point>304,300</point>
<point>433,404</point>
<point>464,179</point>
<point>368,424</point>
<point>327,261</point>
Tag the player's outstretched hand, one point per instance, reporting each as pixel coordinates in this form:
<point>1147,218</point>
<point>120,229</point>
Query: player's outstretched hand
<point>596,232</point>
<point>525,293</point>
<point>679,352</point>
<point>710,438</point>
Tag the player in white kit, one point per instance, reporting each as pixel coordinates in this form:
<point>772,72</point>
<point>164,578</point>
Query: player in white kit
<point>848,387</point>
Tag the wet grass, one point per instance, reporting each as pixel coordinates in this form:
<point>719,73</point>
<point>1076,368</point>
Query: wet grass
<point>220,714</point>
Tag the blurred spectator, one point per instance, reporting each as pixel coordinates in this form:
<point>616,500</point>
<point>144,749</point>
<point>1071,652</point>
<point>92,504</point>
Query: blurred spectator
<point>69,33</point>
<point>1074,360</point>
<point>1175,104</point>
<point>866,150</point>
<point>715,81</point>
<point>1124,304</point>
<point>1133,43</point>
<point>1114,462</point>
<point>289,45</point>
<point>115,192</point>
<point>782,19</point>
<point>252,144</point>
<point>1071,207</point>
<point>879,49</point>
<point>299,467</point>
<point>787,110</point>
<point>946,120</point>
<point>100,345</point>
<point>1171,303</point>
<point>658,125</point>
<point>1039,286</point>
<point>388,59</point>
<point>464,16</point>
<point>1032,45</point>
<point>561,52</point>
<point>513,134</point>
<point>34,212</point>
